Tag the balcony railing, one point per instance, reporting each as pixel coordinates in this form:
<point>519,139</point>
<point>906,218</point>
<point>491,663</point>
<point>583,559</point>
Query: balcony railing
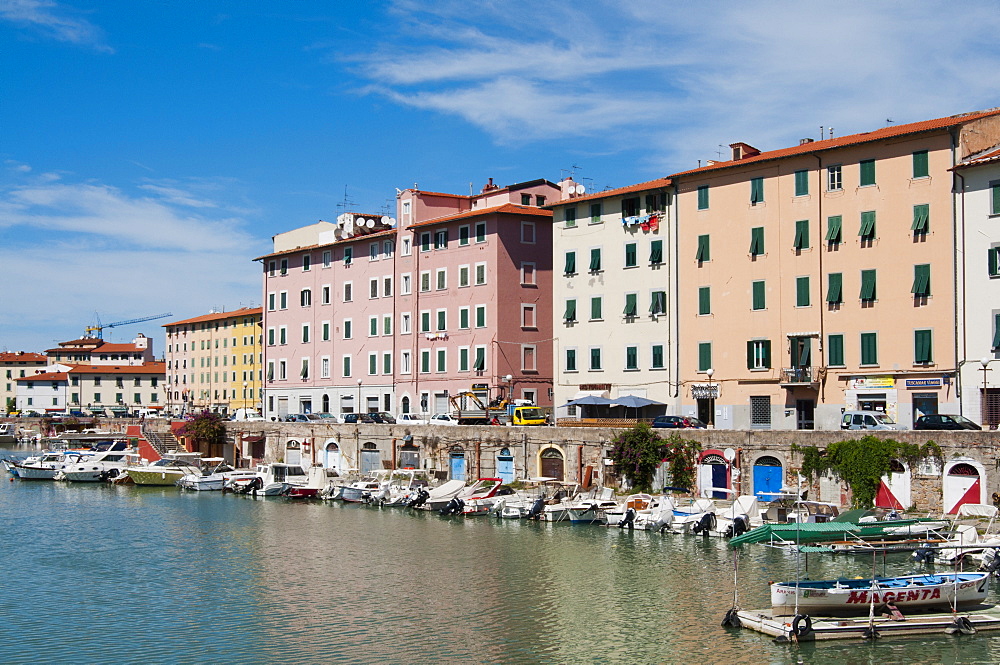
<point>797,375</point>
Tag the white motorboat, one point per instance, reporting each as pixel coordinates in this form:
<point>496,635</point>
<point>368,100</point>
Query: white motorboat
<point>438,497</point>
<point>8,432</point>
<point>274,479</point>
<point>106,461</point>
<point>214,475</point>
<point>166,471</point>
<point>590,507</point>
<point>46,466</point>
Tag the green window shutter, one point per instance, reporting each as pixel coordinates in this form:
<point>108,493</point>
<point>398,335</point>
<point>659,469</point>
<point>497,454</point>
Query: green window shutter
<point>463,318</point>
<point>921,217</point>
<point>766,344</point>
<point>372,364</point>
<point>756,191</point>
<point>703,197</point>
<point>867,172</point>
<point>751,352</point>
<point>756,241</point>
<point>570,314</point>
<point>834,225</point>
<point>835,350</point>
<point>704,253</point>
<point>996,199</point>
<point>570,360</point>
<point>595,213</point>
<point>867,285</point>
<point>480,363</point>
<point>570,268</point>
<point>801,183</point>
<point>595,260</point>
<point>631,357</point>
<point>425,361</point>
<point>704,356</point>
<point>480,317</point>
<point>996,331</point>
<point>425,321</point>
<point>463,360</point>
<point>759,295</point>
<point>631,304</point>
<point>801,291</point>
<point>441,320</point>
<point>705,300</point>
<point>595,359</point>
<point>835,288</point>
<point>657,356</point>
<point>801,234</point>
<point>595,308</point>
<point>630,255</point>
<point>921,280</point>
<point>869,348</point>
<point>992,259</point>
<point>658,305</point>
<point>867,231</point>
<point>922,346</point>
<point>656,252</point>
<point>805,352</point>
<point>920,167</point>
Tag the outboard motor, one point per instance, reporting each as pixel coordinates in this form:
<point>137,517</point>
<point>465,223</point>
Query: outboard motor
<point>740,525</point>
<point>705,524</point>
<point>453,507</point>
<point>991,561</point>
<point>419,500</point>
<point>628,519</point>
<point>536,509</point>
<point>924,554</point>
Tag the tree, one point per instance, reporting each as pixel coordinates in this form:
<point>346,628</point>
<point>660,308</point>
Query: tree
<point>206,431</point>
<point>637,453</point>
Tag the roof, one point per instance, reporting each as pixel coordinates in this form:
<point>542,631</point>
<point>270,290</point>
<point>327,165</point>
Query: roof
<point>155,367</point>
<point>218,316</point>
<point>22,356</point>
<point>505,209</point>
<point>850,139</point>
<point>100,347</point>
<point>990,157</point>
<point>45,376</point>
<point>306,248</point>
<point>608,193</point>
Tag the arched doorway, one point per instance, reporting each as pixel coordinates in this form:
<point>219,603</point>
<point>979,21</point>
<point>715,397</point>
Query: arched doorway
<point>326,403</point>
<point>962,484</point>
<point>293,452</point>
<point>505,465</point>
<point>894,488</point>
<point>552,463</point>
<point>404,405</point>
<point>768,478</point>
<point>713,475</point>
<point>409,456</point>
<point>331,455</point>
<point>371,458</point>
<point>456,464</point>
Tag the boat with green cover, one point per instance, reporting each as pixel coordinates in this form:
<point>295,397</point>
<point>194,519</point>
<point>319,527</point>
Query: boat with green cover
<point>791,534</point>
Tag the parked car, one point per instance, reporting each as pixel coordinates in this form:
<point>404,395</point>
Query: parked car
<point>673,422</point>
<point>443,419</point>
<point>867,420</point>
<point>355,418</point>
<point>411,419</point>
<point>944,421</point>
<point>296,418</point>
<point>383,418</point>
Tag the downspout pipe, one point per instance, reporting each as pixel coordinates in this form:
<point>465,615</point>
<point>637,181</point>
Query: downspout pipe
<point>959,315</point>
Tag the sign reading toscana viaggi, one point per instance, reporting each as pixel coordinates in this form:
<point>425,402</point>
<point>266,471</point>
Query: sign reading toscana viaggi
<point>923,383</point>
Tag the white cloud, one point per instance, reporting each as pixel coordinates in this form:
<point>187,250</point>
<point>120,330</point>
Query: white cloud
<point>54,20</point>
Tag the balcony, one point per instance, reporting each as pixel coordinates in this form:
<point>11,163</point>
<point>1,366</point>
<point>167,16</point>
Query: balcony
<point>792,377</point>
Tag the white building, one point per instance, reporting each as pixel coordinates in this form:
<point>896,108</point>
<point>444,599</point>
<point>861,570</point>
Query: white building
<point>13,366</point>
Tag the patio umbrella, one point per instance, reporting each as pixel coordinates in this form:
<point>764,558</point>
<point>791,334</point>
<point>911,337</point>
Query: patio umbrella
<point>590,400</point>
<point>634,402</point>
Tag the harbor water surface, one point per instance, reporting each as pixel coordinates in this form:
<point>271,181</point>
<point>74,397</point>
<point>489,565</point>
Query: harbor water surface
<point>117,574</point>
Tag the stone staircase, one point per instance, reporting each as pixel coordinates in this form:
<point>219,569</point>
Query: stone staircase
<point>162,442</point>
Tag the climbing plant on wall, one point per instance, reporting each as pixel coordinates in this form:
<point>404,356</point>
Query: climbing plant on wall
<point>637,452</point>
<point>681,456</point>
<point>861,463</point>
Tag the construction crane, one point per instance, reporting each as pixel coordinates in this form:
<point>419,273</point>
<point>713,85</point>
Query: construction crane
<point>99,328</point>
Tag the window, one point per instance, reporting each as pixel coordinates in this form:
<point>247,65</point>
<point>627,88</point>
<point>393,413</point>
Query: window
<point>756,191</point>
<point>480,316</point>
<point>271,267</point>
<point>920,167</point>
<point>760,411</point>
<point>270,336</point>
<point>802,183</point>
<point>630,255</point>
<point>283,335</point>
<point>869,348</point>
<point>704,249</point>
<point>704,300</point>
<point>372,326</point>
<point>463,318</point>
<point>373,251</point>
<point>326,295</point>
<point>425,281</point>
<point>596,305</point>
<point>835,350</point>
<point>387,248</point>
<point>463,359</point>
<point>656,360</point>
<point>801,235</point>
<point>569,267</point>
<point>867,230</point>
<point>283,300</point>
<point>757,241</point>
<point>631,305</point>
<point>833,229</point>
<point>373,287</point>
<point>759,297</point>
<point>442,357</point>
<point>867,172</point>
<point>407,246</point>
<point>304,372</point>
<point>442,320</point>
<point>441,279</point>
<point>595,358</point>
<point>282,369</point>
<point>324,367</point>
<point>305,298</point>
<point>703,197</point>
<point>387,325</point>
<point>802,291</point>
<point>405,284</point>
<point>528,233</point>
<point>480,231</point>
<point>759,354</point>
<point>348,292</point>
<point>527,273</point>
<point>526,199</point>
<point>834,178</point>
<point>570,217</point>
<point>327,258</point>
<point>528,359</point>
<point>631,358</point>
<point>441,239</point>
<point>595,213</point>
<point>922,352</point>
<point>921,280</point>
<point>306,262</point>
<point>404,323</point>
<point>595,259</point>
<point>372,364</point>
<point>348,329</point>
<point>704,356</point>
<point>569,315</point>
<point>868,292</point>
<point>995,199</point>
<point>993,261</point>
<point>425,321</point>
<point>996,331</point>
<point>921,219</point>
<point>658,303</point>
<point>480,274</point>
<point>305,333</point>
<point>425,241</point>
<point>480,362</point>
<point>835,288</point>
<point>386,287</point>
<point>284,266</point>
<point>630,207</point>
<point>271,301</point>
<point>656,252</point>
<point>326,331</point>
<point>425,361</point>
<point>570,360</point>
<point>347,365</point>
<point>528,316</point>
<point>348,255</point>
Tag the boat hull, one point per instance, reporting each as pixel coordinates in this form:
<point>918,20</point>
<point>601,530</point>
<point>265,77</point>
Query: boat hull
<point>35,473</point>
<point>155,476</point>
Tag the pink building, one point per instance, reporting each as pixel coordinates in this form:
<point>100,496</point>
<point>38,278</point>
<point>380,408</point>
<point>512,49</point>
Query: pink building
<point>364,316</point>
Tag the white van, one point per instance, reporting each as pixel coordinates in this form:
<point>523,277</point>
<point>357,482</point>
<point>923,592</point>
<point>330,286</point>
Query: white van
<point>247,415</point>
<point>867,420</point>
<point>148,413</point>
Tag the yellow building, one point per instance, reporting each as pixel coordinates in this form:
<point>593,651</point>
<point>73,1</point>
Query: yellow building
<point>214,361</point>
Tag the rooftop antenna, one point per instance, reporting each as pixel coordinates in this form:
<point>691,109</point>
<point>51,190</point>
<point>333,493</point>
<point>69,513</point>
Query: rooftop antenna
<point>347,203</point>
<point>718,152</point>
<point>831,132</point>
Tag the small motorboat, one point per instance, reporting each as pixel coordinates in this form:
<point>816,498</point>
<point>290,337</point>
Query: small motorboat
<point>45,467</point>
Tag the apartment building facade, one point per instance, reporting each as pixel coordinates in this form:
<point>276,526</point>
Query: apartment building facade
<point>821,277</point>
<point>15,365</point>
<point>99,390</point>
<point>614,314</point>
<point>214,362</point>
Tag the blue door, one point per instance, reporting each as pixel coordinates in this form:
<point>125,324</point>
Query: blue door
<point>720,479</point>
<point>768,478</point>
<point>505,466</point>
<point>458,466</point>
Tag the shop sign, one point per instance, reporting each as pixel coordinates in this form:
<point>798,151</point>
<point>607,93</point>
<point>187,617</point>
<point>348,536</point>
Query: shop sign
<point>705,391</point>
<point>923,383</point>
<point>864,382</point>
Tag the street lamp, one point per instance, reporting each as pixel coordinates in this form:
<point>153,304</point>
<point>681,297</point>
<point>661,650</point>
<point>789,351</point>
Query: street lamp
<point>711,397</point>
<point>359,396</point>
<point>985,362</point>
<point>509,379</point>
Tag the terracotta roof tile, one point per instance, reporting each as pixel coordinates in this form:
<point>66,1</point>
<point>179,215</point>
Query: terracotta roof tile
<point>369,236</point>
<point>988,158</point>
<point>45,376</point>
<point>22,356</point>
<point>618,191</point>
<point>155,367</point>
<point>505,209</point>
<point>218,316</point>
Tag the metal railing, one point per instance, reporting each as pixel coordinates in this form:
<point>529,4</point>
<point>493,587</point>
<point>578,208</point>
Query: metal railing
<point>797,375</point>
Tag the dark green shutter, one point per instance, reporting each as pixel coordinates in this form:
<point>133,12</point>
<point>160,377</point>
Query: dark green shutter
<point>869,348</point>
<point>756,241</point>
<point>805,352</point>
<point>996,199</point>
<point>480,362</point>
<point>704,356</point>
<point>835,350</point>
<point>766,344</point>
<point>801,183</point>
<point>922,346</point>
<point>705,300</point>
<point>570,360</point>
<point>801,291</point>
<point>921,280</point>
<point>920,168</point>
<point>656,252</point>
<point>993,253</point>
<point>595,308</point>
<point>657,355</point>
<point>833,229</point>
<point>759,297</point>
<point>867,172</point>
<point>595,359</point>
<point>630,259</point>
<point>570,263</point>
<point>631,357</point>
<point>595,260</point>
<point>801,234</point>
<point>868,285</point>
<point>631,304</point>
<point>570,314</point>
<point>921,216</point>
<point>703,197</point>
<point>835,287</point>
<point>996,331</point>
<point>658,303</point>
<point>704,247</point>
<point>867,231</point>
<point>750,354</point>
<point>756,191</point>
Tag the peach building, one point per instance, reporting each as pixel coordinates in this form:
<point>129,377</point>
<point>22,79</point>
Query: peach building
<point>821,277</point>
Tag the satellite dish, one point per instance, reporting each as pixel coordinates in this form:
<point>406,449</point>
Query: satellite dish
<point>729,454</point>
<point>336,232</point>
<point>392,221</point>
<point>580,189</point>
<point>385,220</point>
<point>370,223</point>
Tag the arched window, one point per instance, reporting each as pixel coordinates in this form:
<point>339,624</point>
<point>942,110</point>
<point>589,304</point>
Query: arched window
<point>404,405</point>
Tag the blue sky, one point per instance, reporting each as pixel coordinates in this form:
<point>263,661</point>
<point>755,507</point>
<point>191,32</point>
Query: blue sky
<point>150,148</point>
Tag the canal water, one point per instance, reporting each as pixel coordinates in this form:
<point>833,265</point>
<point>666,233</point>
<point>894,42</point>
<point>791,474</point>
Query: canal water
<point>108,574</point>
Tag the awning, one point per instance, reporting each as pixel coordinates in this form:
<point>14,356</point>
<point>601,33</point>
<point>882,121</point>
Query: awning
<point>591,393</point>
<point>803,334</point>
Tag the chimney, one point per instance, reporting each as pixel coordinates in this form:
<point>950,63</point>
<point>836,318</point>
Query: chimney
<point>743,150</point>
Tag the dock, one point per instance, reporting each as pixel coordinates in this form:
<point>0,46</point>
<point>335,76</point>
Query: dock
<point>841,628</point>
